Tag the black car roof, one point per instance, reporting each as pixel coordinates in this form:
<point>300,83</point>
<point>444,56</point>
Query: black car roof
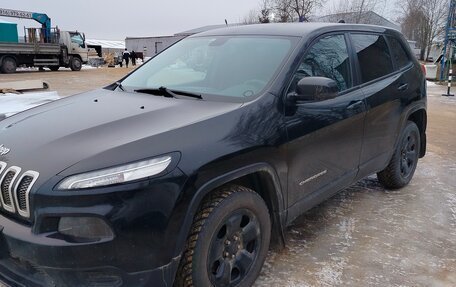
<point>291,29</point>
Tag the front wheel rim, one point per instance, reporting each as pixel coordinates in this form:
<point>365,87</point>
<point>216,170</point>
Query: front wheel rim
<point>409,153</point>
<point>234,248</point>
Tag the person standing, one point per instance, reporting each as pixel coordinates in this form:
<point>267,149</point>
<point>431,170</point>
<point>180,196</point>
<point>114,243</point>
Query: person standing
<point>133,58</point>
<point>126,57</point>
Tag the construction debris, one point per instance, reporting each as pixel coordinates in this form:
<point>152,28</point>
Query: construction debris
<point>24,85</point>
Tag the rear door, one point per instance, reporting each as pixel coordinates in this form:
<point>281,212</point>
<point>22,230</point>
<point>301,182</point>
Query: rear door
<point>383,86</point>
<point>324,136</point>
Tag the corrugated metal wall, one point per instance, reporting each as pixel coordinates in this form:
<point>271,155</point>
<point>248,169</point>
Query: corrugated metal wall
<point>153,45</point>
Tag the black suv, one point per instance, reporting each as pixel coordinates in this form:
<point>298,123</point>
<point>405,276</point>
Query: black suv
<point>189,169</point>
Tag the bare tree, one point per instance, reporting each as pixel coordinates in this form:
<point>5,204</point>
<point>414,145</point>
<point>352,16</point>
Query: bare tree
<point>290,10</point>
<point>356,11</point>
<point>436,12</point>
<point>250,18</point>
<point>282,9</point>
<point>302,9</point>
<point>424,21</point>
<point>265,12</point>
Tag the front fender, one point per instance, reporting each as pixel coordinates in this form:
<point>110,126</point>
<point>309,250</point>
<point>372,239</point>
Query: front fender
<point>278,212</point>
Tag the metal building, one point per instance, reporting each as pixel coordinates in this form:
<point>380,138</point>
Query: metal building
<point>151,46</point>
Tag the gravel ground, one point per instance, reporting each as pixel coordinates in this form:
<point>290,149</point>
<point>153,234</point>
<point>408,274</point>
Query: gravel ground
<point>365,235</point>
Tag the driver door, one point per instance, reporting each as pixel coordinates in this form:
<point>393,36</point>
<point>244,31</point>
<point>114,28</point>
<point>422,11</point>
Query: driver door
<point>325,137</point>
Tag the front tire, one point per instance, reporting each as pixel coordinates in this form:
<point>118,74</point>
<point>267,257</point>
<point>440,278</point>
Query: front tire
<point>402,166</point>
<point>75,64</point>
<point>228,241</point>
<point>9,65</point>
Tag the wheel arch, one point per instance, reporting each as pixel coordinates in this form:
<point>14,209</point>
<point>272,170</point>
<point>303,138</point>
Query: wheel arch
<point>7,56</point>
<point>261,178</point>
<point>419,117</point>
<point>76,56</point>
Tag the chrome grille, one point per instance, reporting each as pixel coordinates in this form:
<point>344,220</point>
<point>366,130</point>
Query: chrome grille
<point>5,187</point>
<point>23,186</point>
<point>15,188</point>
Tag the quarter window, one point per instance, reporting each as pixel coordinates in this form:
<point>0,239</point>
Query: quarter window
<point>373,55</point>
<point>328,57</point>
<point>400,56</point>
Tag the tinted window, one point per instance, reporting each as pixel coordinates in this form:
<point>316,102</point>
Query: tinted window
<point>398,52</point>
<point>326,58</point>
<point>373,55</point>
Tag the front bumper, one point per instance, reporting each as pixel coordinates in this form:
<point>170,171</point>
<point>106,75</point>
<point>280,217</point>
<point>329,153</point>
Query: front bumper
<point>33,260</point>
<point>145,218</point>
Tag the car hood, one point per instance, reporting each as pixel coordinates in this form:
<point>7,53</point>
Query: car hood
<point>102,127</point>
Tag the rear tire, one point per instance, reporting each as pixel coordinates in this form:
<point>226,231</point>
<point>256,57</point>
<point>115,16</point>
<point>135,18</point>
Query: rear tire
<point>54,68</point>
<point>9,65</point>
<point>402,166</point>
<point>75,64</point>
<point>228,241</point>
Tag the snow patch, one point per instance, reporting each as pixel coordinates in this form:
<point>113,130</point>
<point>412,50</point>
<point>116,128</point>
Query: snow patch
<point>11,104</point>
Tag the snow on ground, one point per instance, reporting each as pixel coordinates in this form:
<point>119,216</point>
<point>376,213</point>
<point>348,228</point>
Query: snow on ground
<point>431,84</point>
<point>11,104</point>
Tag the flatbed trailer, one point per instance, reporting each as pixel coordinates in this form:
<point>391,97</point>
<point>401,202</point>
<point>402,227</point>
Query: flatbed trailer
<point>69,51</point>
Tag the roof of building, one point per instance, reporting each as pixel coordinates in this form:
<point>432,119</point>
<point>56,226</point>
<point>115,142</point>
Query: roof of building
<point>107,44</point>
<point>368,17</point>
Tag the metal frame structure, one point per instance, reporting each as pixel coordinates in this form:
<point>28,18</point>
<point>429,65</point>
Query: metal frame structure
<point>43,19</point>
<point>450,35</point>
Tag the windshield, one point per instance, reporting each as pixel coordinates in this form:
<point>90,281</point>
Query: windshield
<point>228,66</point>
<point>77,39</point>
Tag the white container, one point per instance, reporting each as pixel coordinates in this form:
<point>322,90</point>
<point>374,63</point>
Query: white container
<point>431,72</point>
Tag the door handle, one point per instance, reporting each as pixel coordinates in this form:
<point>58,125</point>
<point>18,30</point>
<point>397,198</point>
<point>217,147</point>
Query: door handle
<point>402,87</point>
<point>354,105</point>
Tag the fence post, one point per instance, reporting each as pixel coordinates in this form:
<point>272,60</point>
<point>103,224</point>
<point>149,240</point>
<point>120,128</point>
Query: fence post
<point>450,76</point>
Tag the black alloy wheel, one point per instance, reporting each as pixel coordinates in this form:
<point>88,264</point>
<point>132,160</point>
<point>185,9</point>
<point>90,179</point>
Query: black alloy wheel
<point>234,248</point>
<point>403,163</point>
<point>228,241</point>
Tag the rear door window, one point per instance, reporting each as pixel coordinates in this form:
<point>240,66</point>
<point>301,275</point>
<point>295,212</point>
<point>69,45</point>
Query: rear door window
<point>400,56</point>
<point>373,56</point>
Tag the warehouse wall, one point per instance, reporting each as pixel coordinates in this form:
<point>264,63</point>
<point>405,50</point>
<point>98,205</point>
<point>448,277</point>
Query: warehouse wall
<point>154,45</point>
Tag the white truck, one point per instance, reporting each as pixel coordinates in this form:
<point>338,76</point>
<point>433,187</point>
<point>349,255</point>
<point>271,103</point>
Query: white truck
<point>42,47</point>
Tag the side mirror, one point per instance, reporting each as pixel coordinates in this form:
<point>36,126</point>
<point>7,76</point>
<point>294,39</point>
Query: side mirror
<point>315,89</point>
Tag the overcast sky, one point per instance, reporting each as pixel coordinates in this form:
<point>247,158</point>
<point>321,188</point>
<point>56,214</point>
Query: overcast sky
<point>115,20</point>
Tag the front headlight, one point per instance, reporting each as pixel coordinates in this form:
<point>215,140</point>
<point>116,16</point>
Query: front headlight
<point>115,175</point>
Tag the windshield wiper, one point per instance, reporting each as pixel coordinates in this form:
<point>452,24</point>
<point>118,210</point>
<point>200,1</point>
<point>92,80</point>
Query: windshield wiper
<point>163,91</point>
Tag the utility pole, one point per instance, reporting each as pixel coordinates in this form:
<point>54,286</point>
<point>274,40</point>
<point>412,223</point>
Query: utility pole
<point>450,36</point>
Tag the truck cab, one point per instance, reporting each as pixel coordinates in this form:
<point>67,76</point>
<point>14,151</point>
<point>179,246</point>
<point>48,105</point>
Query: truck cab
<point>75,43</point>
